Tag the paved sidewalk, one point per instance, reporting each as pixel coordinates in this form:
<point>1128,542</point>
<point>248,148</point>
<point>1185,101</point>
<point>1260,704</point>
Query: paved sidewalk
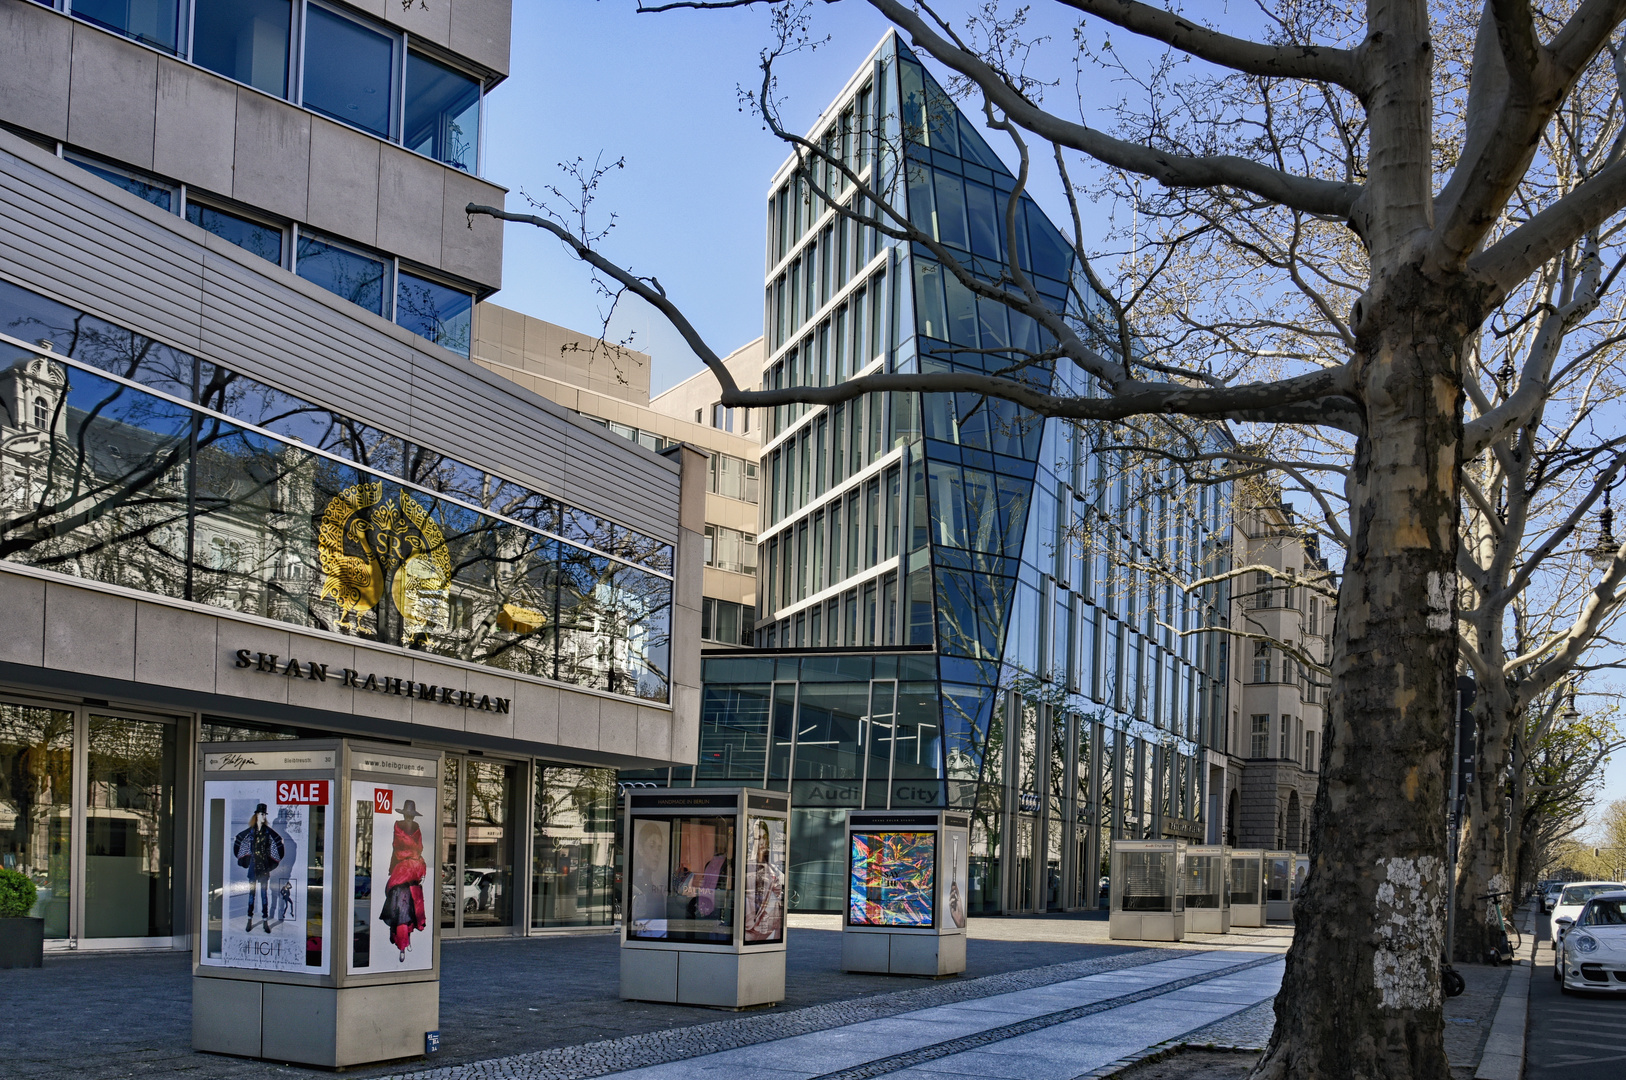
<point>1055,1031</point>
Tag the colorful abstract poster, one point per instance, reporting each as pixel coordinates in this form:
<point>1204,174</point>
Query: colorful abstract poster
<point>390,914</point>
<point>764,881</point>
<point>269,839</point>
<point>958,878</point>
<point>894,878</point>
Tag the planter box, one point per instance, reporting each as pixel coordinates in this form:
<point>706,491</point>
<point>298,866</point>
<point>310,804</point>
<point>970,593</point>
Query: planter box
<point>22,943</point>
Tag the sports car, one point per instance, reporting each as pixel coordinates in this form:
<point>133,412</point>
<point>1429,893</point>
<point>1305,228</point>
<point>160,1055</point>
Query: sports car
<point>1592,955</point>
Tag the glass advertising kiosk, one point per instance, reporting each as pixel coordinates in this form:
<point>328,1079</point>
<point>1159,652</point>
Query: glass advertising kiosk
<point>318,942</point>
<point>1148,890</point>
<point>705,896</point>
<point>1208,890</point>
<point>1279,886</point>
<point>907,876</point>
<point>1247,888</point>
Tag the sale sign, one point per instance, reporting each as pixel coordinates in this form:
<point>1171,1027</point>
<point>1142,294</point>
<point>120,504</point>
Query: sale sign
<point>383,800</point>
<point>302,792</point>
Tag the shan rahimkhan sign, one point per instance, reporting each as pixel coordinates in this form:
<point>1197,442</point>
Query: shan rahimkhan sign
<point>272,664</point>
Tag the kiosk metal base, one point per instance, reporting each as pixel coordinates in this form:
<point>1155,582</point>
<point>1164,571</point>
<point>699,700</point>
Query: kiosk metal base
<point>1208,920</point>
<point>720,980</point>
<point>932,955</point>
<point>1146,926</point>
<point>313,1025</point>
<point>1279,910</point>
<point>1248,915</point>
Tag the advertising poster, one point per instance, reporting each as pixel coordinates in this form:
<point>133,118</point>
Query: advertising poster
<point>389,918</point>
<point>764,881</point>
<point>958,877</point>
<point>650,877</point>
<point>270,838</point>
<point>894,876</point>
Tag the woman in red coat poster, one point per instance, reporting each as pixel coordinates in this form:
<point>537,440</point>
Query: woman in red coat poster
<point>403,899</point>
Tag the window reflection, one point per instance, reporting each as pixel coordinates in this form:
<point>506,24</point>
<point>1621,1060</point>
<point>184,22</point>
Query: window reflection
<point>438,312</point>
<point>151,22</point>
<point>442,112</point>
<point>130,828</point>
<point>348,70</point>
<point>36,766</point>
<point>251,236</point>
<point>575,876</point>
<point>246,40</point>
<point>349,274</point>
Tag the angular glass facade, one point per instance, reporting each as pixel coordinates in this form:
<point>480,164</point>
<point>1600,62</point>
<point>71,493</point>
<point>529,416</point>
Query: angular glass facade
<point>961,603</point>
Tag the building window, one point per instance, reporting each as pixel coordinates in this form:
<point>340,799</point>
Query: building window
<point>151,22</point>
<point>1259,742</point>
<point>1287,738</point>
<point>1261,662</point>
<point>156,192</point>
<point>442,113</point>
<point>733,478</point>
<point>349,71</point>
<point>42,414</point>
<point>252,236</point>
<point>730,549</point>
<point>356,277</point>
<point>722,417</point>
<point>245,40</point>
<point>438,312</point>
<point>725,621</point>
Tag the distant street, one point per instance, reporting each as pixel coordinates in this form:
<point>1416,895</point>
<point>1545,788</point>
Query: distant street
<point>1574,1036</point>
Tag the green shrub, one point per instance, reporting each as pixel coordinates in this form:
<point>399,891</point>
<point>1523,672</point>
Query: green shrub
<point>17,894</point>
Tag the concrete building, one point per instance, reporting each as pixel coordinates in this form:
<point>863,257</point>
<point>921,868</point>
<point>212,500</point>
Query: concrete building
<point>252,486</point>
<point>955,606</point>
<point>1277,705</point>
<point>610,385</point>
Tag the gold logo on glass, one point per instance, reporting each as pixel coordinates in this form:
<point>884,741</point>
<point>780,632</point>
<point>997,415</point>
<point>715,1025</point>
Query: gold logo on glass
<point>369,544</point>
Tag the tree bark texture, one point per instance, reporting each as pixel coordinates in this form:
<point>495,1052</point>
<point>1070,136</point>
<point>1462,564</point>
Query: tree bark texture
<point>1361,997</point>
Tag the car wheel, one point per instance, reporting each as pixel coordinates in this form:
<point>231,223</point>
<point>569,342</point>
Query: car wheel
<point>1558,976</point>
<point>469,907</point>
<point>1563,988</point>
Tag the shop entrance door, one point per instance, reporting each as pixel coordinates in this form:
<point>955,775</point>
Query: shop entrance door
<point>480,822</point>
<point>87,810</point>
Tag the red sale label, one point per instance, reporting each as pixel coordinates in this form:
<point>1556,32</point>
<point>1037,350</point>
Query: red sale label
<point>301,792</point>
<point>383,801</point>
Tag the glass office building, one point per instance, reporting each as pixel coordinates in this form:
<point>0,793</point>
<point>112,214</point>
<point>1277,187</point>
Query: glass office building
<point>961,603</point>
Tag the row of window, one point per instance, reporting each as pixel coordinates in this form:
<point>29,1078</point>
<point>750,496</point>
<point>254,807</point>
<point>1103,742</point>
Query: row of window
<point>727,475</point>
<point>794,208</point>
<point>724,417</point>
<point>841,443</point>
<point>851,535</point>
<point>324,58</point>
<point>1294,743</point>
<point>842,250</point>
<point>726,622</point>
<point>731,549</point>
<point>372,280</point>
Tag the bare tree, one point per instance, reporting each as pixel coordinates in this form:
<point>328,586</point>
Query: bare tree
<point>1423,168</point>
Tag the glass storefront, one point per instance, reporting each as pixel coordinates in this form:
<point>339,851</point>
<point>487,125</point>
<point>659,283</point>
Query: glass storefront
<point>88,810</point>
<point>575,859</point>
<point>480,803</point>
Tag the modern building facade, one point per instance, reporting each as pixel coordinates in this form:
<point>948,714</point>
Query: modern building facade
<point>1283,618</point>
<point>251,486</point>
<point>960,604</point>
<point>609,384</point>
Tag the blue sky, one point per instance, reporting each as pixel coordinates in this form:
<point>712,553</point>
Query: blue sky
<point>595,78</point>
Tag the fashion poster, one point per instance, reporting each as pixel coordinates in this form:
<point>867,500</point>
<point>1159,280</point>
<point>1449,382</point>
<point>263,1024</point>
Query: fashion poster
<point>650,878</point>
<point>392,879</point>
<point>764,881</point>
<point>263,834</point>
<point>958,878</point>
<point>894,876</point>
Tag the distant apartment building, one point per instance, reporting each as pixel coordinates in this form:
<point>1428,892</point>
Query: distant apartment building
<point>610,385</point>
<point>252,486</point>
<point>1279,619</point>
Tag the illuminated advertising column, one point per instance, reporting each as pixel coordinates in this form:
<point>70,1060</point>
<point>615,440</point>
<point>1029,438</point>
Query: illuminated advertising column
<point>704,897</point>
<point>907,876</point>
<point>318,942</point>
<point>1148,890</point>
<point>1208,890</point>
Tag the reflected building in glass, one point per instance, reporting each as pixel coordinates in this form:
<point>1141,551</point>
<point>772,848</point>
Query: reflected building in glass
<point>961,604</point>
<point>252,486</point>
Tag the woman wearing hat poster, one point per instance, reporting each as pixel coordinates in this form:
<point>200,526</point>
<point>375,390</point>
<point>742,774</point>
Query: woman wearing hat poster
<point>403,895</point>
<point>259,850</point>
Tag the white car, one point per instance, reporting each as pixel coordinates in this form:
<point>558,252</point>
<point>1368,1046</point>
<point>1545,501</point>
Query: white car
<point>1569,905</point>
<point>1593,956</point>
<point>1549,895</point>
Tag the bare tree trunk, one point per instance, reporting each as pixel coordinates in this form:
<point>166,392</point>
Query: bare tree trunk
<point>1361,997</point>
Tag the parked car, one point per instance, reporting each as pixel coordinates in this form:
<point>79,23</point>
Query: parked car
<point>1570,901</point>
<point>482,886</point>
<point>1593,956</point>
<point>1549,895</point>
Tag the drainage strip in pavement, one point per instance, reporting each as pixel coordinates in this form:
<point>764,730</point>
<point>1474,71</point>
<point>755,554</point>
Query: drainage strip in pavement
<point>599,1058</point>
<point>977,1040</point>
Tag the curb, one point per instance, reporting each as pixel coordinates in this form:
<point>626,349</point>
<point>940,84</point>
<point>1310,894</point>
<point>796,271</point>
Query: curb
<point>1503,1058</point>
